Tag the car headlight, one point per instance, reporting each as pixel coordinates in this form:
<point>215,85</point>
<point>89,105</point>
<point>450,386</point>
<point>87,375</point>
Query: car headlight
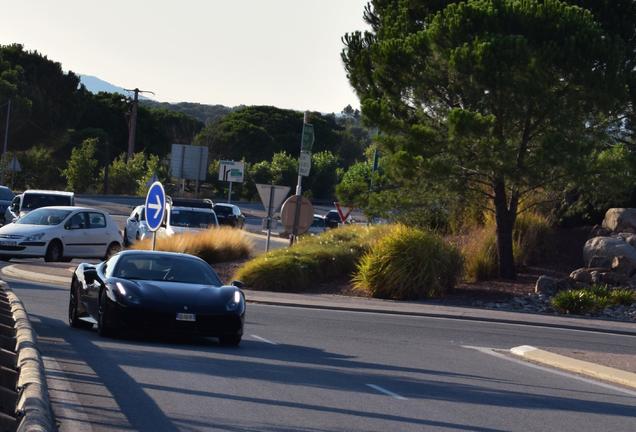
<point>236,302</point>
<point>124,295</point>
<point>34,237</point>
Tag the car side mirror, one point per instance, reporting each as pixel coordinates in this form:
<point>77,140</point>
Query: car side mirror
<point>136,218</point>
<point>238,284</point>
<point>90,275</point>
<point>67,226</point>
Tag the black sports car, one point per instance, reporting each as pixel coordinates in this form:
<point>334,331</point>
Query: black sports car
<point>150,290</point>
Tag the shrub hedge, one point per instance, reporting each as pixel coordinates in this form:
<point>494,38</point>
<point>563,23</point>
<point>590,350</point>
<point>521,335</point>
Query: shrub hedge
<point>327,257</point>
<point>408,263</point>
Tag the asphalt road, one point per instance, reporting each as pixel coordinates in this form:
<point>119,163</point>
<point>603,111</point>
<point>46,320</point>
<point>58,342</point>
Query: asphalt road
<point>317,370</point>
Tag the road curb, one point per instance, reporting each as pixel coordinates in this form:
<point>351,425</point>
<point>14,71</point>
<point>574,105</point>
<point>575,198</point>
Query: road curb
<point>394,308</point>
<point>569,364</point>
<point>33,404</point>
<point>465,316</point>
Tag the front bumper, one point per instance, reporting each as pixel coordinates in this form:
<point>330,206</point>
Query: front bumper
<point>135,318</point>
<point>24,249</point>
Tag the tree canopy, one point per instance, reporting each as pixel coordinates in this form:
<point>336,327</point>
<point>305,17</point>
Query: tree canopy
<point>500,97</point>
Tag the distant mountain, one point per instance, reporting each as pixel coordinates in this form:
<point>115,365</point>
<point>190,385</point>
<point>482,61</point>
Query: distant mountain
<point>204,113</point>
<point>96,85</point>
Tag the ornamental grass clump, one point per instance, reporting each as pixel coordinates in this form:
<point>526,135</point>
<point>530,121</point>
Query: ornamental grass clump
<point>531,242</point>
<point>330,256</point>
<point>592,300</point>
<point>214,245</point>
<point>408,263</point>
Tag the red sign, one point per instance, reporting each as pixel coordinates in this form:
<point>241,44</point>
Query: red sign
<point>343,216</point>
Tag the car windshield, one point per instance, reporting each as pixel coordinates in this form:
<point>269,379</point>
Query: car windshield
<point>33,201</point>
<point>191,218</point>
<point>6,194</point>
<point>223,210</point>
<point>44,216</point>
<point>159,267</point>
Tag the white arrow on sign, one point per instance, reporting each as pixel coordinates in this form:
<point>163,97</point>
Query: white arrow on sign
<point>156,207</point>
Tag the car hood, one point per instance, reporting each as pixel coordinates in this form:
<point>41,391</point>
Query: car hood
<point>25,229</point>
<point>181,297</point>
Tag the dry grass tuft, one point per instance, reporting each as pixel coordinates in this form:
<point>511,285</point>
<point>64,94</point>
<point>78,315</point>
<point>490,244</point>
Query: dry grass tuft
<point>213,246</point>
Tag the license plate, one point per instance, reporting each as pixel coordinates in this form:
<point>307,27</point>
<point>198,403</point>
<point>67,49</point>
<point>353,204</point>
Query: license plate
<point>186,317</point>
<point>7,243</point>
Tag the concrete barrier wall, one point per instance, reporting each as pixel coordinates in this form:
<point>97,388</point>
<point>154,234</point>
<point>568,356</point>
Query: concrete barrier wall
<point>24,400</point>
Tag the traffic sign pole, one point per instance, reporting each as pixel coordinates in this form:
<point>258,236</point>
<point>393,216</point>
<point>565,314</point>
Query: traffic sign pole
<point>270,211</point>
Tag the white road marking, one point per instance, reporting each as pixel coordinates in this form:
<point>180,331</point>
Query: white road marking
<point>387,392</point>
<point>493,352</point>
<point>68,407</point>
<point>262,339</point>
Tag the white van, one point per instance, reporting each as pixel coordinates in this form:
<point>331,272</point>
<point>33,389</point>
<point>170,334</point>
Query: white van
<point>33,198</point>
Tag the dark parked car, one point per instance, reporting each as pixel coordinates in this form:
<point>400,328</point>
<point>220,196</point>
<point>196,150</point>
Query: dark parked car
<point>141,291</point>
<point>6,196</point>
<point>229,214</point>
<point>332,219</point>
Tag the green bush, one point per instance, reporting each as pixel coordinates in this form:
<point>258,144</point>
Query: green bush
<point>591,300</point>
<point>408,263</point>
<point>314,260</point>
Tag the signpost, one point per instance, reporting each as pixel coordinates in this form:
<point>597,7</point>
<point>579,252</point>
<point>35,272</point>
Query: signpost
<point>272,196</point>
<point>233,172</point>
<point>155,209</point>
<point>304,165</point>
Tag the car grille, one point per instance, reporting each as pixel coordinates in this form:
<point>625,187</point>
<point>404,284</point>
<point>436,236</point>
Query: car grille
<point>10,236</point>
<point>212,325</point>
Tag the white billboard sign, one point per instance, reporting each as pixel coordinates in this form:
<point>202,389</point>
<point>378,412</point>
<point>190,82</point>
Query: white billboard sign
<point>189,162</point>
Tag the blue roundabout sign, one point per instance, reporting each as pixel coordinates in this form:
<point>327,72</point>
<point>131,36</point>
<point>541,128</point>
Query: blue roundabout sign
<point>155,206</point>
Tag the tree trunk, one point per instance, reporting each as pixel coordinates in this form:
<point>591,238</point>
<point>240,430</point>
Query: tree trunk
<point>505,219</point>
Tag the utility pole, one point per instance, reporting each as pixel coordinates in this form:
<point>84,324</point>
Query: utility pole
<point>6,142</point>
<point>132,125</point>
<point>299,185</point>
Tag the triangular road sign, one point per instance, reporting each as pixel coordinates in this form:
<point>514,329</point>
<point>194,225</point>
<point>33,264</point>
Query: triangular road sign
<point>272,194</point>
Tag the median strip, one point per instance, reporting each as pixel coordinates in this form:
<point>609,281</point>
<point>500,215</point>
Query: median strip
<point>604,373</point>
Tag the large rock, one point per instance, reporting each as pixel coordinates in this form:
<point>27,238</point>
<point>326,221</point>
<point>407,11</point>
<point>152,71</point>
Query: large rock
<point>607,247</point>
<point>581,275</point>
<point>546,285</point>
<point>620,220</point>
<point>624,265</point>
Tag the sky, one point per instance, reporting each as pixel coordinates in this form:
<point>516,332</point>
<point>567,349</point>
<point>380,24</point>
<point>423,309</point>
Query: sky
<point>284,53</point>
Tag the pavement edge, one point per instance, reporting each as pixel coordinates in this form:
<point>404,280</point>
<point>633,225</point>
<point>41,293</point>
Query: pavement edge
<point>33,403</point>
<point>605,373</point>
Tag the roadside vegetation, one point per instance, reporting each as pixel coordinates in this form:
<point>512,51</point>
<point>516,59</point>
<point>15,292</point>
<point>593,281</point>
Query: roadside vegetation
<point>592,300</point>
<point>331,256</point>
<point>408,263</point>
<point>385,261</point>
<point>531,243</point>
<point>215,245</point>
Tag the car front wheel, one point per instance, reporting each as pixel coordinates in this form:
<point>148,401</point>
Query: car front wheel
<point>53,251</point>
<point>73,315</point>
<point>103,317</point>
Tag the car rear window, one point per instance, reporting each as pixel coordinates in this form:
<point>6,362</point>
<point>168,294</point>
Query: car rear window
<point>31,201</point>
